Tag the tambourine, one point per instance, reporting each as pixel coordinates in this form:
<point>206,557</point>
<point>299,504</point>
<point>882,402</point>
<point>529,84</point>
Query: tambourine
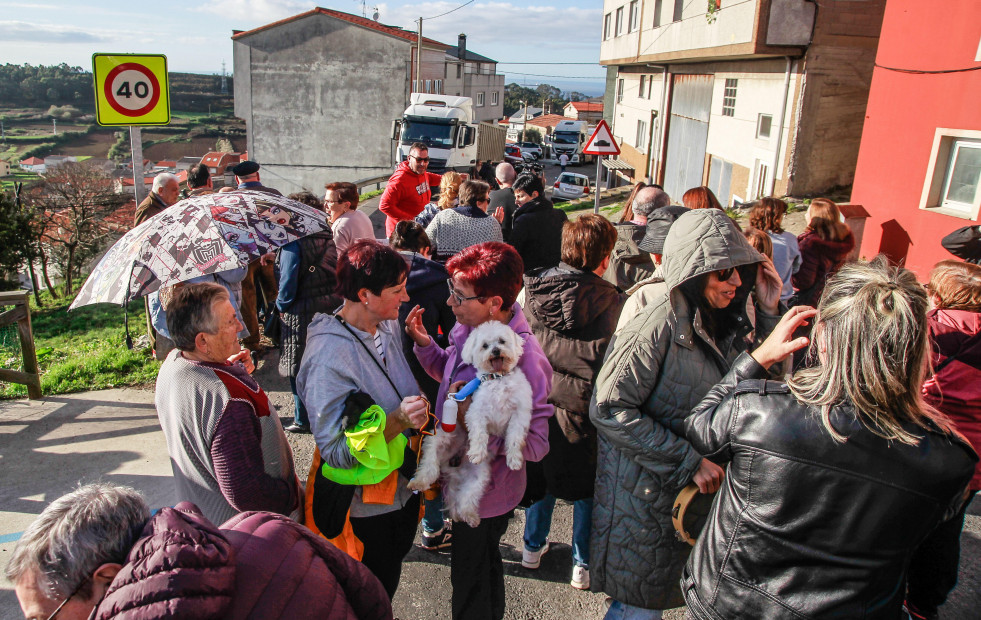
<point>690,512</point>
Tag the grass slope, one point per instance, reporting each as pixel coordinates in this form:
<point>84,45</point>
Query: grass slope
<point>80,350</point>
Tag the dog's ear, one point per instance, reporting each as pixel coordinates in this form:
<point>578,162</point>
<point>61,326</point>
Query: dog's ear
<point>468,347</point>
<point>517,342</point>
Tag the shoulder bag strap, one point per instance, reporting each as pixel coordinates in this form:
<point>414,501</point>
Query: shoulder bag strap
<point>368,351</point>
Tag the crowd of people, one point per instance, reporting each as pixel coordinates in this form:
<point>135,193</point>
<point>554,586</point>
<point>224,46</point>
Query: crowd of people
<point>827,408</point>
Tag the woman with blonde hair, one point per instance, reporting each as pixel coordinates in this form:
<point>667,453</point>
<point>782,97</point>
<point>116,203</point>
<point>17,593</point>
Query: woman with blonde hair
<point>955,390</point>
<point>824,246</point>
<point>835,477</point>
<point>449,190</point>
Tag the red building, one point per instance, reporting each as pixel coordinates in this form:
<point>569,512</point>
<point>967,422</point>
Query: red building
<point>919,163</point>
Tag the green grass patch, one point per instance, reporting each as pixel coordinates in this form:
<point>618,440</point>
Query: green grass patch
<point>80,350</point>
<point>371,194</point>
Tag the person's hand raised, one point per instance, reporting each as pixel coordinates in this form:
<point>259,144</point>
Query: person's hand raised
<point>768,287</point>
<point>781,342</point>
<point>415,329</point>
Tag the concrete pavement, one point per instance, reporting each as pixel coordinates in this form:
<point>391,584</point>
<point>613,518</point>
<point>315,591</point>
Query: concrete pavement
<point>48,447</point>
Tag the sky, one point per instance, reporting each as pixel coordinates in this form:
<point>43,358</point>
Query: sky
<point>195,35</point>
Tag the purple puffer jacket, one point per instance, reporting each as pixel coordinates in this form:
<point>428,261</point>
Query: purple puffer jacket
<point>258,565</point>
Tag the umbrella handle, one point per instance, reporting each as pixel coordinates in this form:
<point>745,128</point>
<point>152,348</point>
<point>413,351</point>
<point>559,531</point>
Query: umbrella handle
<point>129,339</point>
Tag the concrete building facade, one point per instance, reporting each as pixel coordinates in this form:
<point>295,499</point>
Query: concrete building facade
<point>765,97</point>
<point>467,74</point>
<point>319,91</point>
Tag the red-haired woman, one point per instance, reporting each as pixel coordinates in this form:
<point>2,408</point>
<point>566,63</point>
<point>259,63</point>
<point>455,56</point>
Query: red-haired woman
<point>483,285</point>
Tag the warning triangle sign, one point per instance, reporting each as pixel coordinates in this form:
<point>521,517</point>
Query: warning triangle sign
<point>601,142</point>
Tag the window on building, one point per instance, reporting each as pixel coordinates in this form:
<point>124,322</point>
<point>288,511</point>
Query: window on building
<point>619,21</point>
<point>657,13</point>
<point>729,98</point>
<point>954,174</point>
<point>650,86</point>
<point>437,87</point>
<point>607,19</point>
<point>679,7</point>
<point>619,90</point>
<point>763,123</point>
<point>494,97</point>
<point>459,70</point>
<point>643,86</point>
<point>634,17</point>
<point>641,140</point>
<point>480,100</point>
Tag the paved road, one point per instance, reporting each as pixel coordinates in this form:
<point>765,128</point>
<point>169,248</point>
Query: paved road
<point>47,447</point>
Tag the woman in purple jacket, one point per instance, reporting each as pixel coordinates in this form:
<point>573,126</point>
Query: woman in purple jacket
<point>483,285</point>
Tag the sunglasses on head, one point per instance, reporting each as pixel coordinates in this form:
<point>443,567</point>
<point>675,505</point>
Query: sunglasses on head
<point>724,274</point>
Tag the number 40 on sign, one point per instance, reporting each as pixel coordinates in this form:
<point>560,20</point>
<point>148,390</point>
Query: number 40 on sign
<point>131,89</point>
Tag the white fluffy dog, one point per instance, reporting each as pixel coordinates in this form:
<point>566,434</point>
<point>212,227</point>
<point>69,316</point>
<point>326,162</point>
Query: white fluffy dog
<point>501,406</point>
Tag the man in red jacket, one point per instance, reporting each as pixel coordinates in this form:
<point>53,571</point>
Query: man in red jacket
<point>408,190</point>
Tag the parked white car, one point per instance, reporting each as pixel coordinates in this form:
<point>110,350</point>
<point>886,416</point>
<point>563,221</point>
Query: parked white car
<point>570,185</point>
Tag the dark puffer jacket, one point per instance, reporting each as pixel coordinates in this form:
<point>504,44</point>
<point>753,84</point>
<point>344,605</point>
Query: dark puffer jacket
<point>258,566</point>
<point>572,313</point>
<point>536,233</point>
<point>657,369</point>
<point>804,526</point>
<point>316,281</point>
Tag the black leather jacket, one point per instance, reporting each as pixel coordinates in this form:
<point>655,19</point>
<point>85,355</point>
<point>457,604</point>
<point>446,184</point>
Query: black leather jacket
<point>804,526</point>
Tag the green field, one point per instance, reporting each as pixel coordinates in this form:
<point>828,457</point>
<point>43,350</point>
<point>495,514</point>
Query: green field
<point>80,350</point>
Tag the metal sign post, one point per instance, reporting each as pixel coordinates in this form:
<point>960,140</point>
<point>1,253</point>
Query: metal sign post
<point>599,166</point>
<point>136,146</point>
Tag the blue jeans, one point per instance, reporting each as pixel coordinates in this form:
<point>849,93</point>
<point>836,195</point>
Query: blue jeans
<point>622,611</point>
<point>432,519</point>
<point>538,522</point>
<point>299,411</point>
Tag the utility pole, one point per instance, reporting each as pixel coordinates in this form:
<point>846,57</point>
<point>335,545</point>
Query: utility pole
<point>524,123</point>
<point>418,56</point>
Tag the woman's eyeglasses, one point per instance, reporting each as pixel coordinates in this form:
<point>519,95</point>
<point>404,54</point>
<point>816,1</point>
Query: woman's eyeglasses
<point>457,297</point>
<point>724,274</point>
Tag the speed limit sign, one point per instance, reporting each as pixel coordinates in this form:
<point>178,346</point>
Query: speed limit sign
<point>131,89</point>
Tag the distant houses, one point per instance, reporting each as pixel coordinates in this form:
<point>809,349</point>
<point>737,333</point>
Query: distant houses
<point>32,164</point>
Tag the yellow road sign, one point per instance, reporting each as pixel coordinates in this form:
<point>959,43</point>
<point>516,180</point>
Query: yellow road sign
<point>131,89</point>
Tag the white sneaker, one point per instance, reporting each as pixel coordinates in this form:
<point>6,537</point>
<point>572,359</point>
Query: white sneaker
<point>580,577</point>
<point>533,559</point>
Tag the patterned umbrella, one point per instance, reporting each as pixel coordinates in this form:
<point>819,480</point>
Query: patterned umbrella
<point>197,236</point>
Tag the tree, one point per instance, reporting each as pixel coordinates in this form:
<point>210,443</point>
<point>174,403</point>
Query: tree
<point>16,235</point>
<point>224,145</point>
<point>75,198</point>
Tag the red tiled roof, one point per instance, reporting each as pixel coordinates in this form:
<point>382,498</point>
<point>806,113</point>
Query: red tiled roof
<point>148,180</point>
<point>364,22</point>
<point>547,120</point>
<point>217,159</point>
<point>585,106</point>
<point>32,161</point>
<point>166,163</point>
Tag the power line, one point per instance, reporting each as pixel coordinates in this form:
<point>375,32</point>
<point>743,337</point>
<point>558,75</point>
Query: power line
<point>546,63</point>
<point>564,77</point>
<point>450,11</point>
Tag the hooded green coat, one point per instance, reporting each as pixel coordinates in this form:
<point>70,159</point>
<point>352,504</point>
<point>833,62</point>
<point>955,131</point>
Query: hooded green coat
<point>658,367</point>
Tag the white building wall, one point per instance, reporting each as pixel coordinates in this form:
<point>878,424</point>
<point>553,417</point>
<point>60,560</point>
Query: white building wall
<point>637,107</point>
<point>733,138</point>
